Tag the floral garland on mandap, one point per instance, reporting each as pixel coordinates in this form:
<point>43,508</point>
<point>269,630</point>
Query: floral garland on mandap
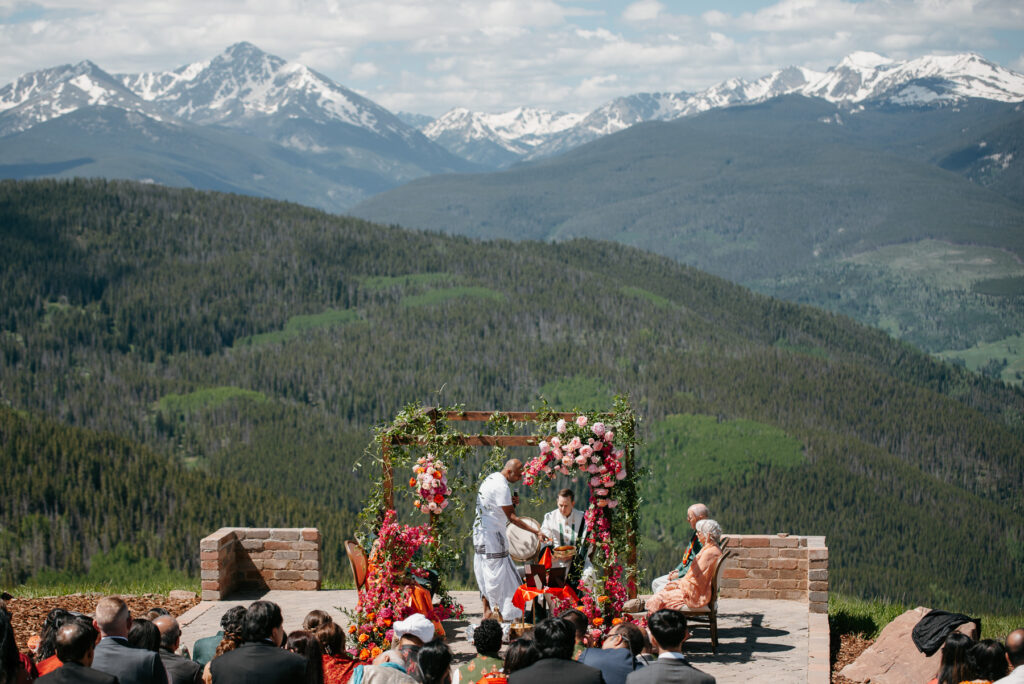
<point>596,446</point>
<point>387,595</point>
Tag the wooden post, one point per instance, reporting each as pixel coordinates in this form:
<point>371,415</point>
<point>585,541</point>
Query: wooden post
<point>389,484</point>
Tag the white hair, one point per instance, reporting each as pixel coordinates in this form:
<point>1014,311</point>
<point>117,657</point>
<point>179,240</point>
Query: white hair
<point>698,510</point>
<point>711,528</point>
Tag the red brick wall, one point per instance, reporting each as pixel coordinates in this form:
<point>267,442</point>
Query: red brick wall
<point>777,566</point>
<point>259,557</point>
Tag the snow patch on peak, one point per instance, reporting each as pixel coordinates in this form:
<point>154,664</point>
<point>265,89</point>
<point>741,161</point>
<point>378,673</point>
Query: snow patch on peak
<point>864,60</point>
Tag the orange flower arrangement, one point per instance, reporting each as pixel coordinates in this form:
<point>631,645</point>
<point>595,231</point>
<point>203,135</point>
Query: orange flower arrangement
<point>363,638</point>
<point>616,621</point>
<point>364,654</point>
<point>598,621</point>
<point>351,629</point>
<point>375,651</point>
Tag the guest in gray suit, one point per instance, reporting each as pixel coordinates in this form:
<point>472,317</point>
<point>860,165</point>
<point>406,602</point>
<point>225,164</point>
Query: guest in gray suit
<point>180,669</point>
<point>113,654</point>
<point>667,628</point>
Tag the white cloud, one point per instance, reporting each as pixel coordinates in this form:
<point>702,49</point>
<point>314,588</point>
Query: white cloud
<point>431,55</point>
<point>643,10</point>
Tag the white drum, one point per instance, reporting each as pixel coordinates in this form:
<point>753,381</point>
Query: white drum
<point>523,546</point>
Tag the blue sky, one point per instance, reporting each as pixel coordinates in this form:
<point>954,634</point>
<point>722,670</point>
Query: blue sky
<point>428,56</point>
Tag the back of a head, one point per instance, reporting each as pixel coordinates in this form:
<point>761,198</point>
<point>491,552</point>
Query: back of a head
<point>1015,647</point>
<point>74,641</point>
<point>144,634</point>
<point>487,637</point>
<point>555,638</point>
<point>579,622</point>
<point>55,619</point>
<point>434,660</point>
<point>699,511</point>
<point>9,658</point>
<point>156,611</point>
<point>170,631</point>
<point>953,667</point>
<point>315,618</point>
<point>232,619</point>
<point>112,615</point>
<point>633,635</point>
<point>668,627</point>
<point>987,660</point>
<point>261,617</point>
<point>519,654</point>
<point>331,638</point>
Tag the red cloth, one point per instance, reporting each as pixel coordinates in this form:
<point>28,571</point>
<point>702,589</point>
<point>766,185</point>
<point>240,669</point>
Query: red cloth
<point>337,669</point>
<point>545,558</point>
<point>48,665</point>
<point>525,593</point>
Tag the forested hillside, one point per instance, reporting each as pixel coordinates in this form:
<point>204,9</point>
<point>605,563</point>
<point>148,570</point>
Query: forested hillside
<point>198,342</point>
<point>793,197</point>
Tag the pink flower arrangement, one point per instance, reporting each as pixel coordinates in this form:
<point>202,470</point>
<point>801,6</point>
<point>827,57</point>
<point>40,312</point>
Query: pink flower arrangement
<point>386,595</point>
<point>431,485</point>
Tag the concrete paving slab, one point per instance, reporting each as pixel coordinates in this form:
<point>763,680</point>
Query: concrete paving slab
<point>758,640</point>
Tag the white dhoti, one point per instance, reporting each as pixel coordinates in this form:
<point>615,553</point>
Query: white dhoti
<point>496,574</point>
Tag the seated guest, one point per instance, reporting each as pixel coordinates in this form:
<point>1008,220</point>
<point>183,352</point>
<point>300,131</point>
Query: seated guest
<point>694,514</point>
<point>579,624</point>
<point>203,649</point>
<point>555,638</point>
<point>520,654</point>
<point>434,663</point>
<point>46,655</point>
<point>180,669</point>
<point>953,665</point>
<point>335,662</point>
<point>25,671</point>
<point>1015,657</point>
<point>304,643</point>
<point>113,654</point>
<point>155,612</point>
<point>390,667</point>
<point>315,618</point>
<point>987,659</point>
<point>144,634</point>
<point>694,589</point>
<point>617,656</point>
<point>487,642</point>
<point>260,657</point>
<point>76,644</point>
<point>667,629</point>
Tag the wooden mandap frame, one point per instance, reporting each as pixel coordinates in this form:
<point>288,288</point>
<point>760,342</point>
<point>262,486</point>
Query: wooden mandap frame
<point>500,441</point>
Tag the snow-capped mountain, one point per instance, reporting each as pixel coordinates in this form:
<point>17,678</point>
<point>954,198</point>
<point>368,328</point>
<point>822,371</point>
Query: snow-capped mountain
<point>497,139</point>
<point>51,93</point>
<point>351,145</point>
<point>247,88</point>
<point>860,79</point>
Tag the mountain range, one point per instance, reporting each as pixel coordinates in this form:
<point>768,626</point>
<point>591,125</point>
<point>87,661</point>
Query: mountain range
<point>244,121</point>
<point>861,79</point>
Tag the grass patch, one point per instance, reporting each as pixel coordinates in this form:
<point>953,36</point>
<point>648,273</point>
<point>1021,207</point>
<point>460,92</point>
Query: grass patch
<point>578,392</point>
<point>943,264</point>
<point>1000,287</point>
<point>657,300</point>
<point>206,398</point>
<point>447,294</point>
<point>988,357</point>
<point>297,325</point>
<point>703,446</point>
<point>122,570</point>
<point>378,283</point>
<point>851,615</point>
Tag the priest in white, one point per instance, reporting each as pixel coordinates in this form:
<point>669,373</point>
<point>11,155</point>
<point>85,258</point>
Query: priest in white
<point>496,574</point>
<point>564,525</point>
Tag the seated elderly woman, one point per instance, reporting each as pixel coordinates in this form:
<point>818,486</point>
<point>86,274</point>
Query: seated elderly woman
<point>693,590</point>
